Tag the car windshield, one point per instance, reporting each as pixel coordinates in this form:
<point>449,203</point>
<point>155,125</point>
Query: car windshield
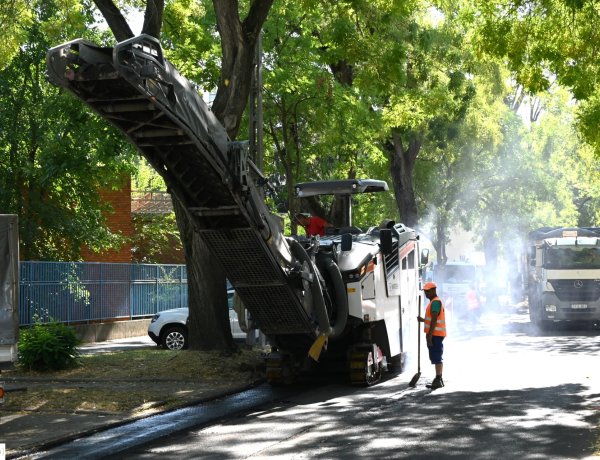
<point>558,257</point>
<point>455,274</point>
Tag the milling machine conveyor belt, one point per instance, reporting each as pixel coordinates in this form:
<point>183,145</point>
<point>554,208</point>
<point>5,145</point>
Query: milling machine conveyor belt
<point>161,113</point>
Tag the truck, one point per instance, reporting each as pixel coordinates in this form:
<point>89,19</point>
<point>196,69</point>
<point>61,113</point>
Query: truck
<point>458,285</point>
<point>563,275</point>
<point>346,302</point>
<point>9,287</point>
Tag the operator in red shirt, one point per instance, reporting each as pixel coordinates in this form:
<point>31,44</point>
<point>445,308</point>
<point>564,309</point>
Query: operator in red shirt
<point>313,225</point>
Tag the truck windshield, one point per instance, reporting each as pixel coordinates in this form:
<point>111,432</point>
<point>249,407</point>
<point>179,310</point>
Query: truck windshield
<point>557,257</point>
<point>455,274</point>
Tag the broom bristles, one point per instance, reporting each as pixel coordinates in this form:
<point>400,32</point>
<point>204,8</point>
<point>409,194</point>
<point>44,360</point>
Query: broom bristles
<point>413,382</point>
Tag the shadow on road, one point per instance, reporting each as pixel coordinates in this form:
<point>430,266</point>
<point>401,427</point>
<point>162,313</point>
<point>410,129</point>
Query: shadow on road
<point>531,423</point>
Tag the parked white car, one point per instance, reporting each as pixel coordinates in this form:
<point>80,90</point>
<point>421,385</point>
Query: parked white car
<point>169,329</point>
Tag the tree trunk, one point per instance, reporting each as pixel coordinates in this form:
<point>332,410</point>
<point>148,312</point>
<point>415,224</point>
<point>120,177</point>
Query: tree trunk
<point>402,166</point>
<point>153,17</point>
<point>439,243</point>
<point>209,327</point>
<point>490,248</point>
<point>115,20</point>
<point>206,280</point>
<point>207,295</point>
<point>238,42</point>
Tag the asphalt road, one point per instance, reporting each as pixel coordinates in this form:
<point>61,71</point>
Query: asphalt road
<point>511,392</point>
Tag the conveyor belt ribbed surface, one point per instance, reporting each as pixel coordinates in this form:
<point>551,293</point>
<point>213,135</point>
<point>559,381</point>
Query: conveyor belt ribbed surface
<point>164,117</point>
<point>259,282</point>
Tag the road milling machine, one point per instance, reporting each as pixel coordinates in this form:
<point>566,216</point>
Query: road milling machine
<point>346,301</point>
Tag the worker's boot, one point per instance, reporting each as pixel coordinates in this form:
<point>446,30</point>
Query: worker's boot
<point>437,382</point>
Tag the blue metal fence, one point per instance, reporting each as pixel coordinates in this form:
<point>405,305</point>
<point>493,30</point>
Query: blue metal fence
<point>79,292</point>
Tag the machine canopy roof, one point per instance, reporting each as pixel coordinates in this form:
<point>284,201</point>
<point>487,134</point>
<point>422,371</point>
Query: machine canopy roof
<point>340,187</point>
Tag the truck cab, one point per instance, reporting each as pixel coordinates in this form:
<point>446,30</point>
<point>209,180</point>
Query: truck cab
<point>458,287</point>
<point>563,282</point>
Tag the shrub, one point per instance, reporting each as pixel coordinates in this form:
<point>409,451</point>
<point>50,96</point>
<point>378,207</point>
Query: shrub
<point>48,347</point>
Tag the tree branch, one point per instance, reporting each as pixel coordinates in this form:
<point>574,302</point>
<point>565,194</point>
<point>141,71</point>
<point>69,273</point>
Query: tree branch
<point>153,17</point>
<point>115,19</point>
<point>256,18</point>
<point>238,43</point>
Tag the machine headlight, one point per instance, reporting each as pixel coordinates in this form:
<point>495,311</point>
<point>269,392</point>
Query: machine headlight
<point>155,317</point>
<point>550,308</point>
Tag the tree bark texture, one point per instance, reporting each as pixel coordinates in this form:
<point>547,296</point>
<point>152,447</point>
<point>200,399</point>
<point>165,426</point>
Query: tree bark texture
<point>153,17</point>
<point>439,242</point>
<point>238,42</point>
<point>115,19</point>
<point>208,322</point>
<point>402,166</point>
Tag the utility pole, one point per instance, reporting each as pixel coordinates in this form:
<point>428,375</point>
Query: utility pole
<point>256,112</point>
<point>256,150</point>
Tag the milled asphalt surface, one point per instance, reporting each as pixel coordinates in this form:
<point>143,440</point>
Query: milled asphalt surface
<point>117,441</point>
<point>26,433</point>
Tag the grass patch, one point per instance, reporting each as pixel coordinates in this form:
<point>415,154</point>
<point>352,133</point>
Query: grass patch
<point>133,381</point>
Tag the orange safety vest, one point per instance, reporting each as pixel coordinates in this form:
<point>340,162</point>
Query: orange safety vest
<point>440,325</point>
<point>472,300</point>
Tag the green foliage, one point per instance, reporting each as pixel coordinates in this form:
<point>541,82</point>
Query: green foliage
<point>47,347</point>
<point>504,171</point>
<point>320,122</point>
<point>54,154</point>
<point>589,119</point>
<point>145,177</point>
<point>15,16</point>
<point>155,238</point>
<point>191,41</point>
<point>339,78</point>
<point>543,42</point>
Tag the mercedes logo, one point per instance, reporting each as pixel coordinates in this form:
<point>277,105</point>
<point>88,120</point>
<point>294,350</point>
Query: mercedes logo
<point>578,284</point>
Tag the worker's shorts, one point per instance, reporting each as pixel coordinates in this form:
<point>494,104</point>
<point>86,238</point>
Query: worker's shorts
<point>436,350</point>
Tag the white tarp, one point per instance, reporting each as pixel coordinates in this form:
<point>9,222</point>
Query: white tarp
<point>9,287</point>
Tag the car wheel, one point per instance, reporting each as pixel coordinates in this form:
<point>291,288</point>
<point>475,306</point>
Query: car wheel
<point>175,338</point>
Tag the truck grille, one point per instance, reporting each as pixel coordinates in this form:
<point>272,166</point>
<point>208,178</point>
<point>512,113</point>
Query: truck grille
<point>576,290</point>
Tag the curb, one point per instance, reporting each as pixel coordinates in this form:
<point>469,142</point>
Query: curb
<point>21,452</point>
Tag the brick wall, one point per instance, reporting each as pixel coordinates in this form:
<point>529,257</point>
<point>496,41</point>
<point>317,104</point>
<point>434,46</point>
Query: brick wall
<point>119,221</point>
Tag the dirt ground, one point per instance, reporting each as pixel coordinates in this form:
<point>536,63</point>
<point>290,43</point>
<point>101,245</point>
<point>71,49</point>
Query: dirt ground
<point>132,382</point>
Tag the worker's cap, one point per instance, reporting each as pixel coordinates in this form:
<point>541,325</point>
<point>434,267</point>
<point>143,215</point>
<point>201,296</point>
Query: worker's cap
<point>430,285</point>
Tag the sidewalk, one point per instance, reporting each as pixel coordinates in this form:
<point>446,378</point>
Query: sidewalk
<point>27,431</point>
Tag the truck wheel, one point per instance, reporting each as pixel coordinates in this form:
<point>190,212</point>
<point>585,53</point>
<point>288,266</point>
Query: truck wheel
<point>532,316</point>
<point>535,317</point>
<point>535,313</point>
<point>175,338</point>
<point>545,325</point>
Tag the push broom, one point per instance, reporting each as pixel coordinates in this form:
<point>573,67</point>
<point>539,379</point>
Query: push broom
<point>416,377</point>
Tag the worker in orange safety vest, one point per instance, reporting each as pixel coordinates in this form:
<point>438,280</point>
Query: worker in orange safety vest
<point>435,331</point>
<point>473,304</point>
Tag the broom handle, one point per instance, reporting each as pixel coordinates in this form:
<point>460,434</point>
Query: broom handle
<point>419,339</point>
